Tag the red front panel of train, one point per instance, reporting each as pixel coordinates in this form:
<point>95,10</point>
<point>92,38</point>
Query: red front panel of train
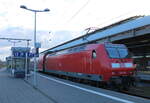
<point>121,63</point>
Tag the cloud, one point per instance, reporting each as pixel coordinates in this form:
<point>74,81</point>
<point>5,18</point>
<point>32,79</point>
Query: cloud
<point>54,38</point>
<point>48,39</point>
<point>66,19</point>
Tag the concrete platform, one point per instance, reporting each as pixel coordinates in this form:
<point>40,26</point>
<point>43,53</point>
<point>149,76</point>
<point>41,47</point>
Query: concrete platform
<point>15,90</point>
<point>63,91</point>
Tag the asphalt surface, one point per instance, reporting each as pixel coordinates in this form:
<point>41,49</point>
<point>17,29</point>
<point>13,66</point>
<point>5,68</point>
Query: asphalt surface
<point>15,90</point>
<point>54,90</point>
<point>63,91</point>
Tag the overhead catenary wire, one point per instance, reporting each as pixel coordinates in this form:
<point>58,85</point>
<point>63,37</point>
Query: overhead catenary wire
<point>79,10</point>
<point>105,23</point>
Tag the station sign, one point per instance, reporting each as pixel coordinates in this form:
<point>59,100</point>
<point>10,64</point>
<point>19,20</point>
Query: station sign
<point>37,45</point>
<point>24,51</point>
<point>23,54</point>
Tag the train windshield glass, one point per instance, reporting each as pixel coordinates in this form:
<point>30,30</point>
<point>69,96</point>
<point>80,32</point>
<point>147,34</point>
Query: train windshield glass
<point>123,53</point>
<point>115,52</point>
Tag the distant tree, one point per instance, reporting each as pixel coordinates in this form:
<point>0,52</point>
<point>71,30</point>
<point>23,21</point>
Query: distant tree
<point>2,64</point>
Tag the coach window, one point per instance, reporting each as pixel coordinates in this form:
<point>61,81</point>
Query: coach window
<point>94,54</point>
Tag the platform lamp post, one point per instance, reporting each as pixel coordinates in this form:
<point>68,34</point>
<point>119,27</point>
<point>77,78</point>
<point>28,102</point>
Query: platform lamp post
<point>35,12</point>
<point>26,63</point>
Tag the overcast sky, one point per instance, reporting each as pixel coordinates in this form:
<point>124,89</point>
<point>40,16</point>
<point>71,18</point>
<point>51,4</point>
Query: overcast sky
<point>66,20</point>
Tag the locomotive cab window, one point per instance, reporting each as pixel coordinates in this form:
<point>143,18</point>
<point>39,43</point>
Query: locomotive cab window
<point>94,54</point>
<point>118,52</point>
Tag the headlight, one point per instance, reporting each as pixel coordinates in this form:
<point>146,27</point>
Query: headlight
<point>115,65</point>
<point>128,65</point>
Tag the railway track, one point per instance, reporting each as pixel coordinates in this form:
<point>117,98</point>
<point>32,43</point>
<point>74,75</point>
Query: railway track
<point>143,92</point>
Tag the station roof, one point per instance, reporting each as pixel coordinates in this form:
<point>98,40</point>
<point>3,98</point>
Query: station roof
<point>119,27</point>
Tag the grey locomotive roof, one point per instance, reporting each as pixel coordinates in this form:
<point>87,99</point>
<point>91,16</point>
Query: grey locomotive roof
<point>123,26</point>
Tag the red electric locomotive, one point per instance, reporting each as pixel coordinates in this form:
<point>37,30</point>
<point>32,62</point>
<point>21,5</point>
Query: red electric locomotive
<point>97,62</point>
